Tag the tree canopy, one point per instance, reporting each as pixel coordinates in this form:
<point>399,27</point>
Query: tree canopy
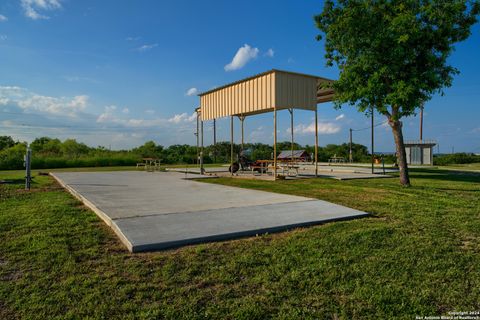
<point>393,55</point>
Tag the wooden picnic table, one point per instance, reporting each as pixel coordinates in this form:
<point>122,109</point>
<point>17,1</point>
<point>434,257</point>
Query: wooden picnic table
<point>335,159</point>
<point>285,166</point>
<point>150,164</point>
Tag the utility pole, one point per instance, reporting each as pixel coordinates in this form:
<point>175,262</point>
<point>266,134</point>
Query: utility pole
<point>350,154</point>
<point>421,123</point>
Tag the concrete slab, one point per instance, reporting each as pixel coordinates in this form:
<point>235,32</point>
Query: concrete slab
<point>306,170</point>
<point>158,210</point>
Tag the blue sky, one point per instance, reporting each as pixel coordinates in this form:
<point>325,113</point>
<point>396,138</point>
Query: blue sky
<point>119,73</point>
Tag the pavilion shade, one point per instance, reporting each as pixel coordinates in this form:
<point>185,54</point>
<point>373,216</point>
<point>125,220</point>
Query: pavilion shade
<point>260,94</point>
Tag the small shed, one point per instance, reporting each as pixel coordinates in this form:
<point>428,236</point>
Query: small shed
<point>295,155</point>
<point>420,152</point>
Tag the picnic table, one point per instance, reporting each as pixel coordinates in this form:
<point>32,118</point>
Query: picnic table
<point>286,167</point>
<point>150,164</point>
<point>336,159</point>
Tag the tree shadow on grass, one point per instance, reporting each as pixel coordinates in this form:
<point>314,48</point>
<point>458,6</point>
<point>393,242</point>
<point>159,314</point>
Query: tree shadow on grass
<point>12,181</point>
<point>445,175</point>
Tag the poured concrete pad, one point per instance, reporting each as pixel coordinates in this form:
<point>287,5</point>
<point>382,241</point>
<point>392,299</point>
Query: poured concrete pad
<point>150,211</point>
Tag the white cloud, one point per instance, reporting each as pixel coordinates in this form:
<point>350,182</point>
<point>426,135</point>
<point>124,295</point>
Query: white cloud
<point>290,60</point>
<point>125,111</point>
<point>340,117</point>
<point>270,53</point>
<point>146,47</point>
<point>184,117</point>
<point>31,8</point>
<point>29,101</point>
<point>191,92</point>
<point>132,38</point>
<point>32,115</point>
<point>242,57</point>
<point>3,37</point>
<point>3,18</point>
<point>323,128</point>
<point>108,115</point>
<point>149,111</point>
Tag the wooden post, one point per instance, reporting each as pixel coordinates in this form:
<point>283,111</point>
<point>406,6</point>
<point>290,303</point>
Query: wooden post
<point>231,145</point>
<point>275,143</point>
<point>316,142</point>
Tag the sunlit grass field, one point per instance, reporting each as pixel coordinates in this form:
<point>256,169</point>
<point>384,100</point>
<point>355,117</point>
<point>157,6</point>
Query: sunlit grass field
<point>418,254</point>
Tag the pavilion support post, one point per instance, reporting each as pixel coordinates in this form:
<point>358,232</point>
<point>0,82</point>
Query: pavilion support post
<point>291,130</point>
<point>214,140</point>
<point>231,145</point>
<point>242,119</point>
<point>275,143</point>
<point>316,142</point>
<point>202,170</point>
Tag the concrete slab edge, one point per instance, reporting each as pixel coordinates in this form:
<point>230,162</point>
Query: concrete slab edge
<point>102,215</point>
<point>238,235</point>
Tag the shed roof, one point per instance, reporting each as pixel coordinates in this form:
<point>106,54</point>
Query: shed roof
<point>287,154</point>
<point>265,92</point>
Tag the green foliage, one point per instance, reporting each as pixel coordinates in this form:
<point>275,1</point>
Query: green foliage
<point>456,158</point>
<point>149,150</point>
<point>12,158</point>
<point>52,153</point>
<point>393,53</point>
<point>46,145</point>
<point>6,142</point>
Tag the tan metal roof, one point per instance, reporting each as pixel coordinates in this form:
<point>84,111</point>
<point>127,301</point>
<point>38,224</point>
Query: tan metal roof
<point>264,92</point>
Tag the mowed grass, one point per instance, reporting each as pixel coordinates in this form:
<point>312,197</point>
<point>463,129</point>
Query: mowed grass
<point>418,254</point>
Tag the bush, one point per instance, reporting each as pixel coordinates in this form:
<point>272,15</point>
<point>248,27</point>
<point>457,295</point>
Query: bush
<point>12,158</point>
<point>456,158</point>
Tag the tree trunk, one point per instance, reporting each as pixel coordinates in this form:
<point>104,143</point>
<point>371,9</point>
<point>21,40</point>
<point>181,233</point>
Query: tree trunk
<point>396,126</point>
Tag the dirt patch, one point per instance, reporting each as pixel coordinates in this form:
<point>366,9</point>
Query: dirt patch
<point>6,313</point>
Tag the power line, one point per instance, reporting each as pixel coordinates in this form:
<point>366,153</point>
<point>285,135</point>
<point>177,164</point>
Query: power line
<point>369,127</point>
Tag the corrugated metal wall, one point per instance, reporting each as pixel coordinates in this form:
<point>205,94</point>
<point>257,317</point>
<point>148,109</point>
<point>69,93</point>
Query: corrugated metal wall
<point>295,91</point>
<point>261,94</point>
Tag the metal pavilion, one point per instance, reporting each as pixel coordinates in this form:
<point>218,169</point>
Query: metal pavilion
<point>269,91</point>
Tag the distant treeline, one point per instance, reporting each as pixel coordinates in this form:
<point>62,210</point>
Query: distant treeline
<point>456,158</point>
<point>53,153</point>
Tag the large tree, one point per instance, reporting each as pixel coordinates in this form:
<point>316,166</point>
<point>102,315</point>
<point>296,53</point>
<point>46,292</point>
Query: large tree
<point>392,55</point>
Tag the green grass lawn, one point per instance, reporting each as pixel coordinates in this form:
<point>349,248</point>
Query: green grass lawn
<point>467,166</point>
<point>8,173</point>
<point>418,254</point>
